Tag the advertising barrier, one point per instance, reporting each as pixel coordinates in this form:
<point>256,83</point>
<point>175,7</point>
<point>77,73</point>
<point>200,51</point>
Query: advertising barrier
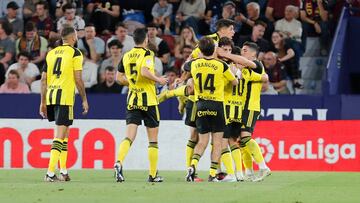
<point>287,145</point>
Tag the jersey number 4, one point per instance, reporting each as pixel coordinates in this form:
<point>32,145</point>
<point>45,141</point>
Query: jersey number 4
<point>208,84</point>
<point>57,66</point>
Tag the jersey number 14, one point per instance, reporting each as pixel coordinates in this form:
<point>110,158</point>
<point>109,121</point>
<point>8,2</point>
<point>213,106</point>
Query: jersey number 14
<point>208,84</point>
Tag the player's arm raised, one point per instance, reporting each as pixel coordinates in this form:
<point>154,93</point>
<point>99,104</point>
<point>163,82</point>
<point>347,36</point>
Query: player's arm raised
<point>236,58</point>
<point>229,75</point>
<point>254,76</point>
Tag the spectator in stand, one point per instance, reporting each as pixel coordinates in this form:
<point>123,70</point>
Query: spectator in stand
<point>276,72</point>
<point>257,37</point>
<point>275,9</point>
<point>7,46</point>
<point>253,15</point>
<point>159,68</point>
<point>185,53</point>
<point>13,85</point>
<point>89,72</point>
<point>28,72</point>
<point>94,47</point>
<point>109,85</point>
<point>286,55</point>
<point>16,23</point>
<point>190,12</point>
<point>242,4</point>
<point>3,7</point>
<point>268,89</point>
<point>121,34</point>
<point>228,12</point>
<point>161,45</point>
<point>171,75</point>
<point>29,9</point>
<point>71,19</point>
<point>42,20</point>
<point>161,13</point>
<point>33,44</point>
<point>314,16</point>
<point>213,8</point>
<point>114,47</point>
<point>104,14</point>
<point>187,37</point>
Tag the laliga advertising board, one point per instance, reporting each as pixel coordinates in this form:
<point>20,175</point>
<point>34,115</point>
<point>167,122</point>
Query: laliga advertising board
<point>287,145</point>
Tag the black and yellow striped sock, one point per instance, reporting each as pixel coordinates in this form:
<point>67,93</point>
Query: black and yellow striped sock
<point>56,148</point>
<point>227,161</point>
<point>195,160</point>
<point>189,152</point>
<point>236,155</point>
<point>213,168</point>
<point>124,149</point>
<point>153,154</point>
<point>64,155</point>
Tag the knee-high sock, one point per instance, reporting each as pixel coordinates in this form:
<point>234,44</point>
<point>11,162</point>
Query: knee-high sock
<point>227,161</point>
<point>236,155</point>
<point>124,149</point>
<point>254,148</point>
<point>213,168</point>
<point>153,153</point>
<point>189,152</point>
<point>246,158</point>
<point>63,156</point>
<point>56,148</point>
<point>195,160</point>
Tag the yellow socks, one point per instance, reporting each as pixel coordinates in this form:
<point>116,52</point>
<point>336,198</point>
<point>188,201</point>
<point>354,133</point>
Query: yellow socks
<point>236,155</point>
<point>124,149</point>
<point>254,148</point>
<point>213,168</point>
<point>153,154</point>
<point>56,148</point>
<point>246,158</point>
<point>227,161</point>
<point>195,160</point>
<point>63,156</point>
<point>189,152</point>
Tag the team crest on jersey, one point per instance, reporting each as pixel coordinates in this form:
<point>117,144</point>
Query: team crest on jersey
<point>148,62</point>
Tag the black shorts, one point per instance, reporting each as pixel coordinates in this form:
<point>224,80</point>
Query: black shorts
<point>209,116</point>
<point>249,119</point>
<point>149,114</point>
<point>190,114</point>
<point>61,114</point>
<point>232,130</point>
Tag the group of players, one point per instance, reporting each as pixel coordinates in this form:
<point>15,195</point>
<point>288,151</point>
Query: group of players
<point>219,89</point>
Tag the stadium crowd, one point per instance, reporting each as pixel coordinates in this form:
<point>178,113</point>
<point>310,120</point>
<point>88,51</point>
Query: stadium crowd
<point>29,28</point>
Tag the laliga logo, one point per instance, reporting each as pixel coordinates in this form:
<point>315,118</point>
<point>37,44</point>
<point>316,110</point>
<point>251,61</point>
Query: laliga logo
<point>266,148</point>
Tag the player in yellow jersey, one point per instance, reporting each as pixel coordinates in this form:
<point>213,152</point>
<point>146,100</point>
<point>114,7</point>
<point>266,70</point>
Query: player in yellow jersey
<point>209,75</point>
<point>137,70</point>
<point>61,73</point>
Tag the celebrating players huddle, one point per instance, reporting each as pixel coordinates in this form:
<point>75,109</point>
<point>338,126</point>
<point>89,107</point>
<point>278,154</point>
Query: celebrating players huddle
<point>220,94</point>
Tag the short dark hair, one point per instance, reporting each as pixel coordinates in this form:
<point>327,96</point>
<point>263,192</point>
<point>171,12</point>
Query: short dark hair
<point>152,25</point>
<point>67,30</point>
<point>207,46</point>
<point>187,46</point>
<point>225,41</point>
<point>171,70</point>
<point>115,42</point>
<point>109,68</point>
<point>236,50</point>
<point>120,24</point>
<point>152,47</point>
<point>44,3</point>
<point>140,35</point>
<point>90,25</point>
<point>224,23</point>
<point>252,46</point>
<point>25,54</point>
<point>30,26</point>
<point>14,72</point>
<point>260,22</point>
<point>67,6</point>
<point>6,26</point>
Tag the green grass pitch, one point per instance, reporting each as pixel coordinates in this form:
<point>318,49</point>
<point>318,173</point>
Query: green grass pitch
<point>98,186</point>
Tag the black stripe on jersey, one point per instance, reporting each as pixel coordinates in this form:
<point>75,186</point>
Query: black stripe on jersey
<point>50,95</point>
<point>58,96</point>
<point>144,98</point>
<point>147,53</point>
<point>247,100</point>
<point>76,52</point>
<point>121,68</point>
<point>128,99</point>
<point>227,109</point>
<point>236,112</point>
<point>135,101</point>
<point>44,69</point>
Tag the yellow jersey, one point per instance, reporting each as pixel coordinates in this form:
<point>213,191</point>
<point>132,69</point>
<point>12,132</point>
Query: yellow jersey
<point>60,65</point>
<point>142,91</point>
<point>209,76</point>
<point>196,52</point>
<point>251,86</point>
<point>233,101</point>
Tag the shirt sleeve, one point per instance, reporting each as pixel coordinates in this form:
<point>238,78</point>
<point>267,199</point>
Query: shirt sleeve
<point>121,68</point>
<point>228,74</point>
<point>187,66</point>
<point>250,75</point>
<point>195,53</point>
<point>77,59</point>
<point>154,10</point>
<point>149,60</point>
<point>169,10</point>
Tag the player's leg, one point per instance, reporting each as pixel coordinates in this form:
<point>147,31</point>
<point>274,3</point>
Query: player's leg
<point>236,156</point>
<point>64,175</point>
<point>198,152</point>
<point>215,155</point>
<point>151,121</point>
<point>226,159</point>
<point>182,90</point>
<point>191,145</point>
<point>248,164</point>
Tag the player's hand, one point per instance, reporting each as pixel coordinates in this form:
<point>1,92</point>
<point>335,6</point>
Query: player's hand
<point>43,110</point>
<point>85,106</point>
<point>163,80</point>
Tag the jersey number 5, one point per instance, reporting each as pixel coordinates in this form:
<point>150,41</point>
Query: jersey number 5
<point>208,84</point>
<point>57,66</point>
<point>132,71</point>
